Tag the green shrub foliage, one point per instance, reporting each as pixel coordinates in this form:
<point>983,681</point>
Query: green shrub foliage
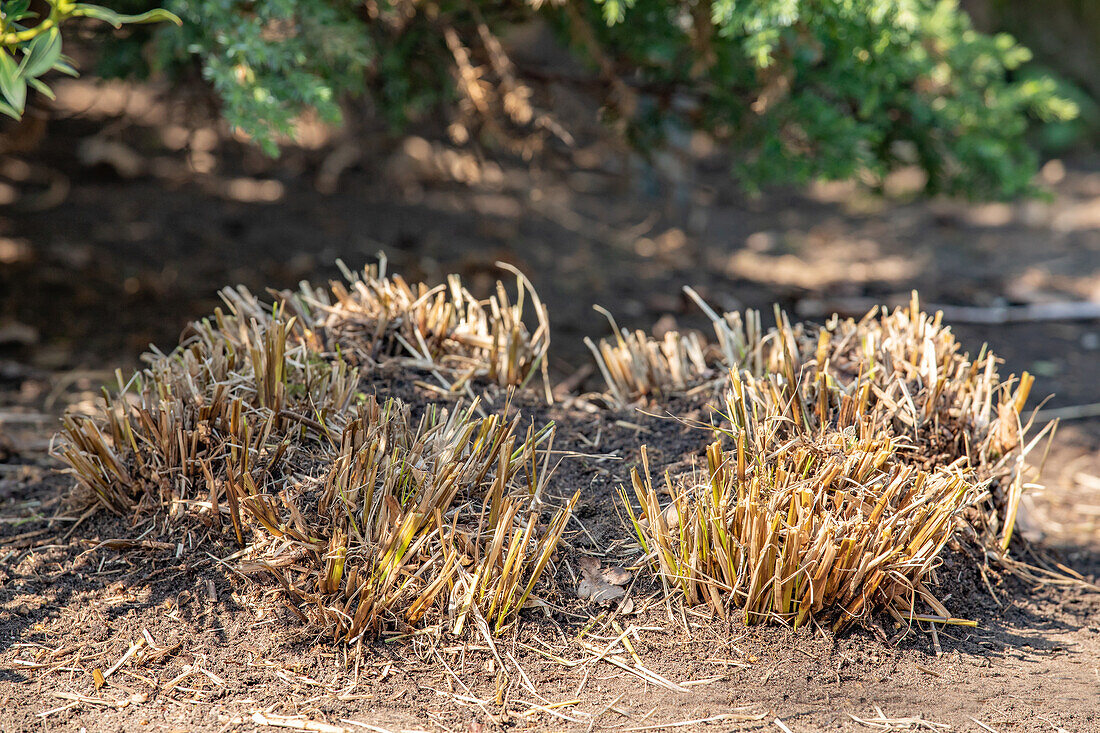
<point>30,43</point>
<point>796,89</point>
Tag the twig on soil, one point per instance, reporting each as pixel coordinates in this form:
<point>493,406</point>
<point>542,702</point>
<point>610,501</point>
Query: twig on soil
<point>77,699</point>
<point>638,671</point>
<point>606,708</point>
<point>366,726</point>
<point>1043,576</point>
<point>884,723</point>
<point>279,721</point>
<point>535,708</point>
<point>742,717</point>
<point>125,657</point>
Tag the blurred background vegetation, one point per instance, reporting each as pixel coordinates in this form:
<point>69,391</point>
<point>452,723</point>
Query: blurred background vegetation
<point>573,134</point>
<point>794,91</point>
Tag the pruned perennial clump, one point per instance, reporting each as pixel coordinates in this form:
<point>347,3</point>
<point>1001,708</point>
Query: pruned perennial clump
<point>370,513</point>
<point>845,457</point>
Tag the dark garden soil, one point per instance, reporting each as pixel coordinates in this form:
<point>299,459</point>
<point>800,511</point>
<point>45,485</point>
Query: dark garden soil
<point>99,257</point>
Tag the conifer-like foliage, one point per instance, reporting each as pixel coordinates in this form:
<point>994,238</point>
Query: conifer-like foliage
<point>795,89</point>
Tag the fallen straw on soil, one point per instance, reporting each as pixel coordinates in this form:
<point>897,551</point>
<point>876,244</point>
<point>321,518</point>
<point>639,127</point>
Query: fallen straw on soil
<point>365,514</point>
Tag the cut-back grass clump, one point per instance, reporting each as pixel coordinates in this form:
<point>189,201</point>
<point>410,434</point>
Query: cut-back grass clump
<point>368,515</point>
<point>848,454</point>
<point>432,518</point>
<point>904,369</point>
<point>636,366</point>
<point>374,316</point>
<point>794,525</point>
<point>240,391</point>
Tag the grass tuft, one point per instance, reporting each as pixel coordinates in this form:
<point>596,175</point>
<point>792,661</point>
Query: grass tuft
<point>369,517</point>
<point>374,316</point>
<point>846,456</point>
<point>636,366</point>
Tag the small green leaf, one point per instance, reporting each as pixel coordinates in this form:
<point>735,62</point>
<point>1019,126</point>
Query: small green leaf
<point>42,54</point>
<point>17,11</point>
<point>118,19</point>
<point>8,110</point>
<point>17,95</point>
<point>65,67</point>
<point>42,88</point>
<point>12,85</point>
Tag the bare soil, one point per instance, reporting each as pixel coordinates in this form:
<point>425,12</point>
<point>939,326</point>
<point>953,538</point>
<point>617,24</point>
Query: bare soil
<point>95,264</point>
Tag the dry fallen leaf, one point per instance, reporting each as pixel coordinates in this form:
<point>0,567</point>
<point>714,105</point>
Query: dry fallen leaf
<point>1006,433</point>
<point>600,584</point>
